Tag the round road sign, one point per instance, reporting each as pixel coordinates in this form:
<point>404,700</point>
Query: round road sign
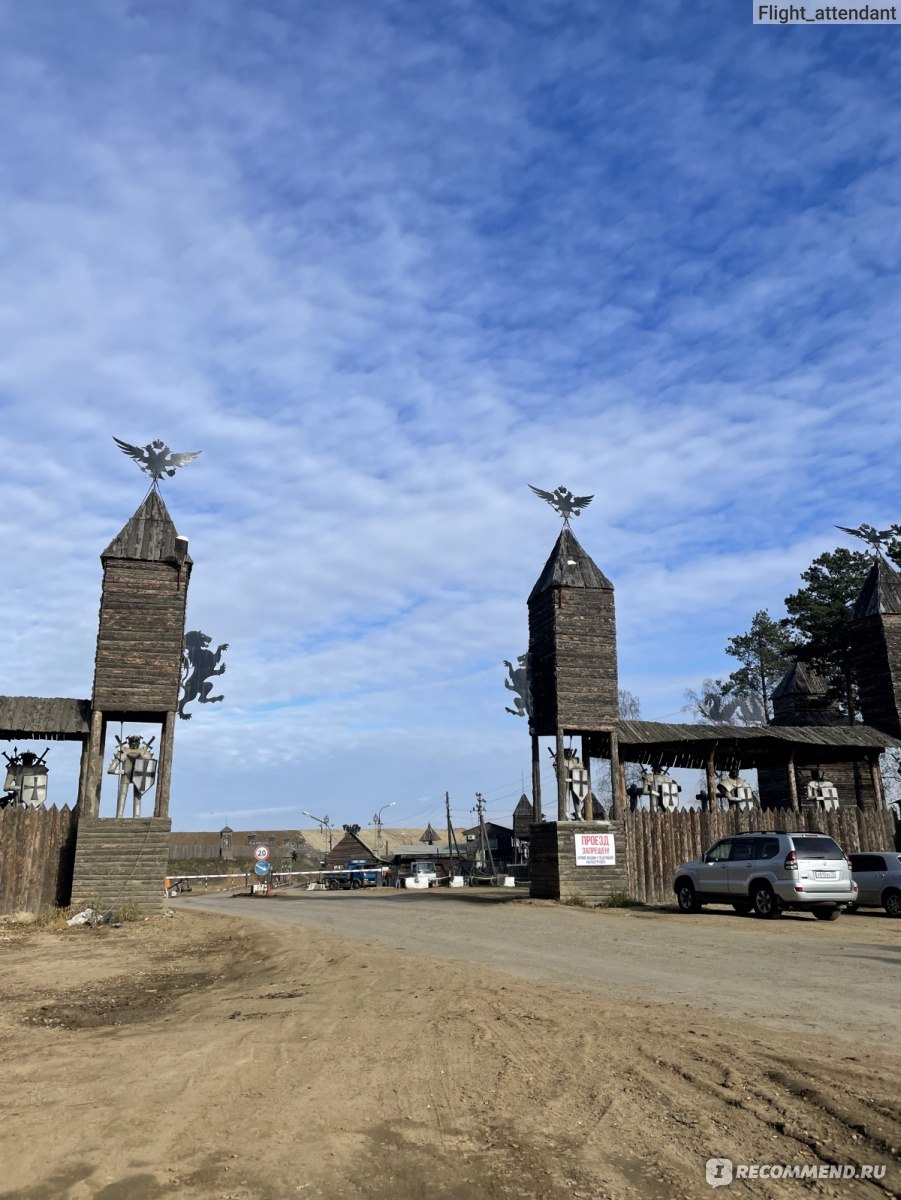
<point>261,868</point>
<point>261,853</point>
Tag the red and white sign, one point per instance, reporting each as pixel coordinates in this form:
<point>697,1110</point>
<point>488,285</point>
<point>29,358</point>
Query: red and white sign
<point>261,853</point>
<point>595,850</point>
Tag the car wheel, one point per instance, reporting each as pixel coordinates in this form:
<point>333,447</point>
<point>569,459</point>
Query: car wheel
<point>765,902</point>
<point>743,907</point>
<point>827,914</point>
<point>891,902</point>
<point>355,883</point>
<point>687,897</point>
<point>332,884</point>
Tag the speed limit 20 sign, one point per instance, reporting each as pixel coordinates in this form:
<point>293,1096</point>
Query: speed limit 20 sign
<point>261,853</point>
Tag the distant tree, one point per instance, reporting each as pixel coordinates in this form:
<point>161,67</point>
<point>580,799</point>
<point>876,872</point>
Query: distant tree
<point>818,619</point>
<point>765,654</point>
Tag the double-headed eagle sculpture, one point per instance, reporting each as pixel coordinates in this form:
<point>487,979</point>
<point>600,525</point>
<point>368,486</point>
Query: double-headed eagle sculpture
<point>156,459</point>
<point>563,502</point>
<point>876,538</point>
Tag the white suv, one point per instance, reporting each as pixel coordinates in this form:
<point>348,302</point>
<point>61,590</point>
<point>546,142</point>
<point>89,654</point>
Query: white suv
<point>766,872</point>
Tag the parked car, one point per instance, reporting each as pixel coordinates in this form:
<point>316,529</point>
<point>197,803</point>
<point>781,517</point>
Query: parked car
<point>878,878</point>
<point>765,872</point>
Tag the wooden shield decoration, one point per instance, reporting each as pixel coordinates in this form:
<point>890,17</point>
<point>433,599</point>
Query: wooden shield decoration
<point>143,774</point>
<point>578,783</point>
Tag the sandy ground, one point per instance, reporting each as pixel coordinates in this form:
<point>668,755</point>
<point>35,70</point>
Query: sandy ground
<point>211,1056</point>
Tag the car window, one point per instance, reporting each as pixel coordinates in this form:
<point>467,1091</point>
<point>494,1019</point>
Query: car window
<point>742,850</point>
<point>867,862</point>
<point>767,848</point>
<point>719,852</point>
<point>817,847</point>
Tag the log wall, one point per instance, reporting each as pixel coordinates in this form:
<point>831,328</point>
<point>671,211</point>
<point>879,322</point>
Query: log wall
<point>659,842</point>
<point>121,861</point>
<point>141,635</point>
<point>876,646</point>
<point>37,852</point>
<point>553,871</point>
<point>572,643</point>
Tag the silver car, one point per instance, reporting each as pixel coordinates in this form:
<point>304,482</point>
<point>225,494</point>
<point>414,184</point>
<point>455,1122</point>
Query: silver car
<point>768,871</point>
<point>878,878</point>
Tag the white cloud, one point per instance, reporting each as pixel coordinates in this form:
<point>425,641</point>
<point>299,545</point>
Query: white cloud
<point>385,270</point>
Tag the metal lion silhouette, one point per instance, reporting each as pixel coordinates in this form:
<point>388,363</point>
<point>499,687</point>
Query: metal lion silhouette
<point>199,665</point>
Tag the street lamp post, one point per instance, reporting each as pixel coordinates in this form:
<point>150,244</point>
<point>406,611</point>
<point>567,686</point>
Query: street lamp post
<point>377,822</point>
<point>323,823</point>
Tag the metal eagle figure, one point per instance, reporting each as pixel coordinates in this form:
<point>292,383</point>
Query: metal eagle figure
<point>876,538</point>
<point>156,459</point>
<point>563,502</point>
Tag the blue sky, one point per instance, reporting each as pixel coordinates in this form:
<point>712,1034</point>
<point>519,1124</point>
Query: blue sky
<point>388,264</point>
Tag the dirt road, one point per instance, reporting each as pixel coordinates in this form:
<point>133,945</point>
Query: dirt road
<point>227,1058</point>
<point>813,976</point>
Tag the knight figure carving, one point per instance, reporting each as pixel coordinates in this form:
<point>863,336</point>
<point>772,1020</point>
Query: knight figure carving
<point>135,765</point>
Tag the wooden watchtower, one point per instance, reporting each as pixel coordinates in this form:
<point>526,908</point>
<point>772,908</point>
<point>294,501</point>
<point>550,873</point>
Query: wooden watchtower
<point>572,653</point>
<point>876,647</point>
<point>137,669</point>
<point>801,700</point>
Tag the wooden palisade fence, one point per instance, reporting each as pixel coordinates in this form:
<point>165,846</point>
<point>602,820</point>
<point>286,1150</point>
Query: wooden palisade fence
<point>37,853</point>
<point>658,842</point>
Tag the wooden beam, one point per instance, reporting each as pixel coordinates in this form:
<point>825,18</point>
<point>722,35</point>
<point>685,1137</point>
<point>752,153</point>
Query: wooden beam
<point>792,782</point>
<point>615,802</point>
<point>536,779</point>
<point>711,780</point>
<point>164,770</point>
<point>89,800</point>
<point>561,777</point>
<point>876,777</point>
<point>588,806</point>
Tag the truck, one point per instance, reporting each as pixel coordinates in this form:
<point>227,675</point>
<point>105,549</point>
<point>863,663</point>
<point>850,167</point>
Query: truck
<point>357,873</point>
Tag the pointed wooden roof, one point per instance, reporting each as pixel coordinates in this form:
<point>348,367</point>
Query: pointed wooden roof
<point>430,836</point>
<point>569,566</point>
<point>148,536</point>
<point>881,593</point>
<point>800,680</point>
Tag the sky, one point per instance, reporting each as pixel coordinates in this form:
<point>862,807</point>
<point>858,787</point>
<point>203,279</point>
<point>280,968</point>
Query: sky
<point>386,265</point>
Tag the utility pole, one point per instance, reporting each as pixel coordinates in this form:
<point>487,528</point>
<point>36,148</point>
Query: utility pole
<point>450,836</point>
<point>483,832</point>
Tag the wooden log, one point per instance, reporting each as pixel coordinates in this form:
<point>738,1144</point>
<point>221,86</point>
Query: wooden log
<point>560,759</point>
<point>536,779</point>
<point>164,769</point>
<point>711,779</point>
<point>588,804</point>
<point>792,783</point>
<point>616,807</point>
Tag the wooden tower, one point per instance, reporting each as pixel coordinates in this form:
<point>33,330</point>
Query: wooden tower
<point>572,651</point>
<point>137,670</point>
<point>876,647</point>
<point>802,699</point>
